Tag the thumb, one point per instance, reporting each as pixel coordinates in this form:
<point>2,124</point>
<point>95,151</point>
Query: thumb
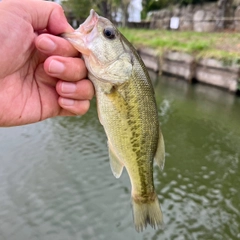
<point>40,14</point>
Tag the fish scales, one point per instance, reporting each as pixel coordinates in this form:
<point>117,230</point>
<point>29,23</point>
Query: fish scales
<point>136,115</point>
<point>126,109</point>
<point>130,115</point>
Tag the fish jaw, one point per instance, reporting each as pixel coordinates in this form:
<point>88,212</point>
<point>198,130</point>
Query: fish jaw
<point>89,23</point>
<point>77,40</point>
<point>82,36</point>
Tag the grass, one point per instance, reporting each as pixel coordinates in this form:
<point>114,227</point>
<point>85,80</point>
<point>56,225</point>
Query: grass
<point>223,46</point>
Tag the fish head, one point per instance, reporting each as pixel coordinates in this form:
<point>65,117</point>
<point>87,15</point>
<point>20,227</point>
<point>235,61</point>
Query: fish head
<point>99,42</point>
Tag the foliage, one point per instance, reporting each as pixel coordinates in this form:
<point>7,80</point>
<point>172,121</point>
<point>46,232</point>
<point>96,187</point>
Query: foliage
<point>77,8</point>
<point>106,8</point>
<point>151,5</point>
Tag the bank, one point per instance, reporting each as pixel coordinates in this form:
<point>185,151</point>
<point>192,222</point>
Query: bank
<point>210,59</point>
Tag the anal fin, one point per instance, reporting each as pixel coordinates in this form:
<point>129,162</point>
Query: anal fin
<point>116,165</point>
<point>160,153</point>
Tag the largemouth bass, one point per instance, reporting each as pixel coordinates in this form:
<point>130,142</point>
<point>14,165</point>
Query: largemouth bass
<point>126,109</point>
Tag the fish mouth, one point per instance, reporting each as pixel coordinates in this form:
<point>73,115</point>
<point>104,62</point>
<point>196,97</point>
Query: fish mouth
<point>89,23</point>
<point>78,37</point>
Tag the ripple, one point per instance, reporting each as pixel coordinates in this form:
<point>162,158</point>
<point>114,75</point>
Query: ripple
<point>56,182</point>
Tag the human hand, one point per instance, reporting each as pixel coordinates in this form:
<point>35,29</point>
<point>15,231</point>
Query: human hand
<point>41,75</point>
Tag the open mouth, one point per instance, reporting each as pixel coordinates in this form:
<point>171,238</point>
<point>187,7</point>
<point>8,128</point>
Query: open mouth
<point>89,23</point>
<point>81,36</point>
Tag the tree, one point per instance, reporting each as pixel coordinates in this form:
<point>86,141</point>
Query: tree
<point>124,8</point>
<point>106,8</point>
<point>80,8</point>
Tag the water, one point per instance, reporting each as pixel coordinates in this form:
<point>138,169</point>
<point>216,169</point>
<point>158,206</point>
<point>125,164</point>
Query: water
<point>56,183</point>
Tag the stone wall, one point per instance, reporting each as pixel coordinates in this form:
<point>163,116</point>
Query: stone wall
<point>200,18</point>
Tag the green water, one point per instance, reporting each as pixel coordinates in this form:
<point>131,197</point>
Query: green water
<point>56,183</point>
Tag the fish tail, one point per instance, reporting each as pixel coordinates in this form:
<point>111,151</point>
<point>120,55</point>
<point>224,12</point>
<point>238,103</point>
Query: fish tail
<point>147,213</point>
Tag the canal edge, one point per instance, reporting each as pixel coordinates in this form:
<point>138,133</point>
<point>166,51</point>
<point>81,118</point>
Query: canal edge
<point>206,70</point>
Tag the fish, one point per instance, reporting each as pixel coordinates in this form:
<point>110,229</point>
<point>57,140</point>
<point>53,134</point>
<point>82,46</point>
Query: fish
<point>127,110</point>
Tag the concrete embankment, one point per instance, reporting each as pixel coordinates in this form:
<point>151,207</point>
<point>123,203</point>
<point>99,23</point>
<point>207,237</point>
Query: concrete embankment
<point>208,71</point>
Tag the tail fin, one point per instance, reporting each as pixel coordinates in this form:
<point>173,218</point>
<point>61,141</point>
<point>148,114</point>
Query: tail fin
<point>147,213</point>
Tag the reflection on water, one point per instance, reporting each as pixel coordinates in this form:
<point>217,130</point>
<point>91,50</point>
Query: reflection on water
<point>56,183</point>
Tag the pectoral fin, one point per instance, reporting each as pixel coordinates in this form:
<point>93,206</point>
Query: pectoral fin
<point>116,165</point>
<point>160,153</point>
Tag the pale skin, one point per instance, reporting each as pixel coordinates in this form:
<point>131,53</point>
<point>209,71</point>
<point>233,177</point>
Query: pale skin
<point>41,74</point>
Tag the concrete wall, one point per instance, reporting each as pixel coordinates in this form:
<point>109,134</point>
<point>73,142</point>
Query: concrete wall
<point>208,71</point>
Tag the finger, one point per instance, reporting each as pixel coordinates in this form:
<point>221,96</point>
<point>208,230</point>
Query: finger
<point>65,68</point>
<point>53,45</point>
<point>81,90</point>
<point>77,107</point>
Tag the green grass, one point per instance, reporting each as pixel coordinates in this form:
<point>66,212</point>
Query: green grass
<point>224,46</point>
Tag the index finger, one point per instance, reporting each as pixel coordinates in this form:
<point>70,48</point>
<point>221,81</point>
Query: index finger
<point>54,45</point>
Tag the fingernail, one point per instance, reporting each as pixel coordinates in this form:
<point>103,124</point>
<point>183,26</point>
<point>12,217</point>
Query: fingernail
<point>68,87</point>
<point>67,102</point>
<point>46,45</point>
<point>56,67</point>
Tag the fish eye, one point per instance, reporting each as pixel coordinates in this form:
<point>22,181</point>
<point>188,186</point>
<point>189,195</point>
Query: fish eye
<point>109,33</point>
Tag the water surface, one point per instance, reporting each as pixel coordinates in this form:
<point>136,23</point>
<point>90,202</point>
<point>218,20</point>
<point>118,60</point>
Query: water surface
<point>56,183</point>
